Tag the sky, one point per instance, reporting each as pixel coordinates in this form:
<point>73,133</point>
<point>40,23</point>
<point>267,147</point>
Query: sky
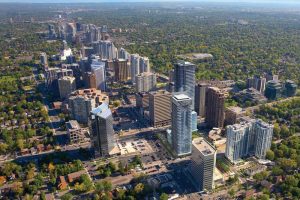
<point>99,1</point>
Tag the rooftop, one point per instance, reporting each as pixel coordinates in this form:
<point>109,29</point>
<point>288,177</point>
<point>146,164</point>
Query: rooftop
<point>181,97</point>
<point>203,146</point>
<point>72,124</point>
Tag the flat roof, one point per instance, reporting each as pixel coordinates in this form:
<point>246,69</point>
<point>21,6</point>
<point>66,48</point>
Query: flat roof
<point>203,146</point>
<point>181,97</point>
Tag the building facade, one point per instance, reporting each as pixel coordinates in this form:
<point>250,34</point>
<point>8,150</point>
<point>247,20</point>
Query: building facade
<point>81,102</point>
<point>102,131</point>
<point>160,108</point>
<point>181,119</point>
<point>203,164</point>
<point>249,137</point>
<point>184,78</point>
<point>98,69</point>
<point>145,82</point>
<point>122,70</point>
<point>75,133</point>
<point>258,83</point>
<point>214,111</point>
<point>200,93</point>
<point>66,86</point>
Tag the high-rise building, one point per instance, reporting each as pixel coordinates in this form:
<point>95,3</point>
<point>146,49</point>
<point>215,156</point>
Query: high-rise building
<point>240,140</point>
<point>258,83</point>
<point>75,133</point>
<point>200,93</point>
<point>144,64</point>
<point>181,118</point>
<point>122,70</point>
<point>171,76</point>
<point>105,49</point>
<point>214,111</point>
<point>232,114</point>
<point>273,90</point>
<point>102,131</point>
<point>290,88</point>
<point>249,137</point>
<point>134,66</point>
<point>66,86</point>
<point>123,54</point>
<point>44,60</point>
<point>98,69</point>
<point>272,77</point>
<point>81,102</point>
<point>89,80</point>
<point>264,134</point>
<point>52,32</point>
<point>184,78</point>
<point>160,108</point>
<point>142,101</point>
<point>194,121</point>
<point>203,164</point>
<point>145,82</point>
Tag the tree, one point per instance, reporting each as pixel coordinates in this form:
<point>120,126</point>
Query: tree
<point>231,193</point>
<point>270,155</point>
<point>138,188</point>
<point>163,196</point>
<point>67,196</point>
<point>121,194</point>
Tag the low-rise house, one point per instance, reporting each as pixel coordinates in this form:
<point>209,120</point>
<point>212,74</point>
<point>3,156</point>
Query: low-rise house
<point>76,175</point>
<point>62,183</point>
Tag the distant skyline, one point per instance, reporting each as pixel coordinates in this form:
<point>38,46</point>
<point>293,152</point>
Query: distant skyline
<point>123,1</point>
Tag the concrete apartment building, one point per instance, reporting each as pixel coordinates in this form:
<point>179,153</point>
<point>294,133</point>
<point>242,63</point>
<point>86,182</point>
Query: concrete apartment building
<point>203,164</point>
<point>214,111</point>
<point>81,102</point>
<point>66,86</point>
<point>200,93</point>
<point>145,82</point>
<point>122,70</point>
<point>75,133</point>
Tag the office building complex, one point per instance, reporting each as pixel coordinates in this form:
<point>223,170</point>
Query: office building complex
<point>122,70</point>
<point>214,111</point>
<point>290,88</point>
<point>184,78</point>
<point>66,86</point>
<point>272,77</point>
<point>160,108</point>
<point>258,83</point>
<point>249,137</point>
<point>75,133</point>
<point>134,66</point>
<point>181,119</point>
<point>273,90</point>
<point>98,69</point>
<point>145,82</point>
<point>200,93</point>
<point>142,102</point>
<point>102,131</point>
<point>203,164</point>
<point>81,102</point>
<point>53,74</point>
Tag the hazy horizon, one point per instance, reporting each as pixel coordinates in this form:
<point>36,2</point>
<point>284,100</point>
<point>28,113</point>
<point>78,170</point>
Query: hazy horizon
<point>124,1</point>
